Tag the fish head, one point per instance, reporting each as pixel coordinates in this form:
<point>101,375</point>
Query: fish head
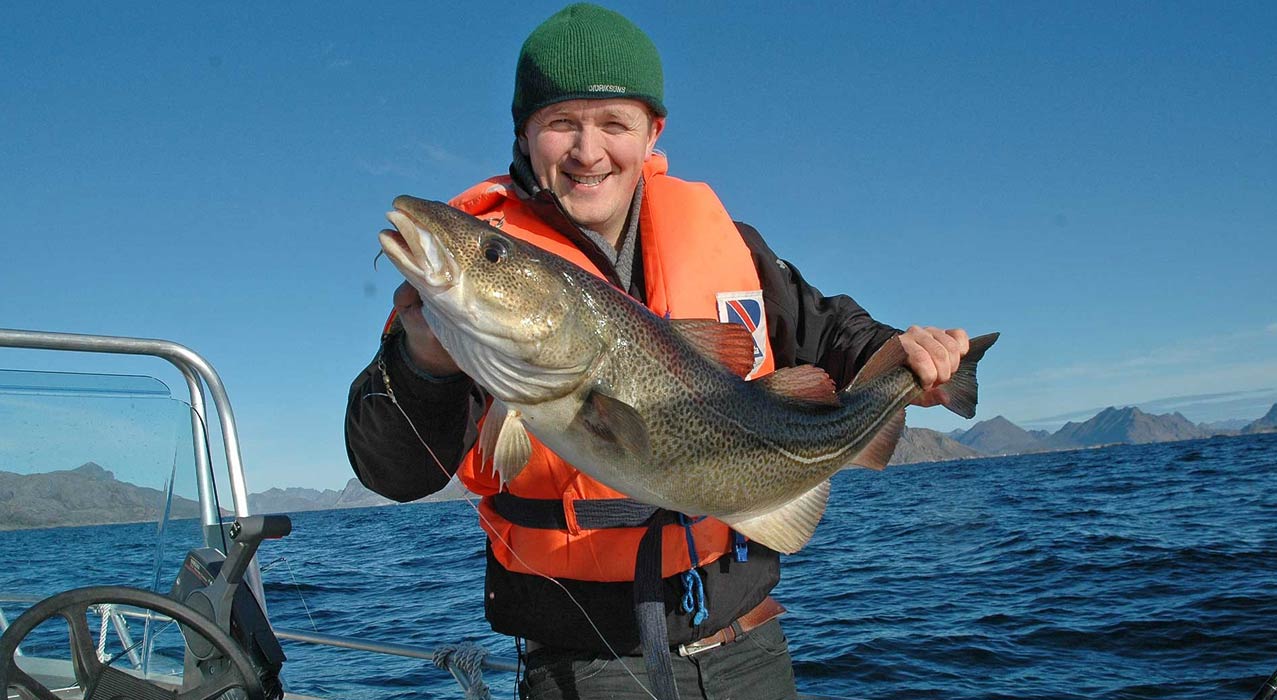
<point>502,307</point>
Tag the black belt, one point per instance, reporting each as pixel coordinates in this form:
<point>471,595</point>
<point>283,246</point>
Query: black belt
<point>590,514</point>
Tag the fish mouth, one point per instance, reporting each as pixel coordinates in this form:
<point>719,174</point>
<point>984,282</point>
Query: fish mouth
<point>419,254</point>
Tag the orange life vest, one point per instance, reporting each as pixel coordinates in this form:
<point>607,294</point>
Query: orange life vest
<point>695,266</point>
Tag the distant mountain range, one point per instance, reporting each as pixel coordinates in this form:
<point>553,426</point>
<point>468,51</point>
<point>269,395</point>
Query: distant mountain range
<point>923,445</point>
<point>1267,424</point>
<point>355,495</point>
<point>91,495</point>
<point>1129,425</point>
<point>87,495</point>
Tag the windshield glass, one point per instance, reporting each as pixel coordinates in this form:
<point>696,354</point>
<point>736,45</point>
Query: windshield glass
<point>97,482</point>
<point>98,487</point>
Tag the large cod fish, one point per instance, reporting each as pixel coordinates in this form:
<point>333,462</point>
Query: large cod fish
<point>655,409</point>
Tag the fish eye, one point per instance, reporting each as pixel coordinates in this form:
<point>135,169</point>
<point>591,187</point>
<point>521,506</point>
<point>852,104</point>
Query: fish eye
<point>495,249</point>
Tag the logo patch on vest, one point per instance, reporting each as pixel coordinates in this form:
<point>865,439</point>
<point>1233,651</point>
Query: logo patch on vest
<point>746,308</point>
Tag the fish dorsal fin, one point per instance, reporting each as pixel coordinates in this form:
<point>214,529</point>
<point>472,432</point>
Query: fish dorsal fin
<point>504,442</point>
<point>888,357</point>
<point>614,422</point>
<point>729,344</point>
<point>787,528</point>
<point>878,452</point>
<point>807,383</point>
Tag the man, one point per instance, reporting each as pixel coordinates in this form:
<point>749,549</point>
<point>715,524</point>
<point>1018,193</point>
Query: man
<point>587,182</point>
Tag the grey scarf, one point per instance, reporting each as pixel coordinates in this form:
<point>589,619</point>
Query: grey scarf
<point>623,258</point>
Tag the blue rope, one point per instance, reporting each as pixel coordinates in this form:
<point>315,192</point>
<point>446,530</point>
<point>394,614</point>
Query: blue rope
<point>694,596</point>
<point>693,587</point>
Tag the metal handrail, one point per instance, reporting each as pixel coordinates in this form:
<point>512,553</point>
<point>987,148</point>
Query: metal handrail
<point>190,363</point>
<point>195,369</point>
<point>492,663</point>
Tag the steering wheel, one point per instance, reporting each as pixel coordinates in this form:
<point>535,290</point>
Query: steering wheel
<point>102,682</point>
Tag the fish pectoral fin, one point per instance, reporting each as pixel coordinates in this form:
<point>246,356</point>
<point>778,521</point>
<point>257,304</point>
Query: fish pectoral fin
<point>489,431</point>
<point>807,383</point>
<point>504,443</point>
<point>615,422</point>
<point>729,344</point>
<point>787,528</point>
<point>513,448</point>
<point>878,452</point>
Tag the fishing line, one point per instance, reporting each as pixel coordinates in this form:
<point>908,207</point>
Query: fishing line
<point>491,529</point>
<point>296,586</point>
<point>138,643</point>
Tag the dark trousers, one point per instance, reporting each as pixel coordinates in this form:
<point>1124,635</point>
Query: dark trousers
<point>754,667</point>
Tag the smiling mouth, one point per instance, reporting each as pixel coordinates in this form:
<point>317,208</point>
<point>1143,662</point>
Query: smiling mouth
<point>587,180</point>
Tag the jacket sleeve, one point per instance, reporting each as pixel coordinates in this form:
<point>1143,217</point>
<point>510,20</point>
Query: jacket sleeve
<point>806,327</point>
<point>387,447</point>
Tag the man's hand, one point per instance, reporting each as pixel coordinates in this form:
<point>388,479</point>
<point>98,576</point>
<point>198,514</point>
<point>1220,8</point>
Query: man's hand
<point>423,347</point>
<point>934,355</point>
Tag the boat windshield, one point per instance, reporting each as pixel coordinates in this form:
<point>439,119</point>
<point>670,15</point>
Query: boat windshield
<point>98,486</point>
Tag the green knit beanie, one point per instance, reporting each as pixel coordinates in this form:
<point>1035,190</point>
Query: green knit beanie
<point>586,51</point>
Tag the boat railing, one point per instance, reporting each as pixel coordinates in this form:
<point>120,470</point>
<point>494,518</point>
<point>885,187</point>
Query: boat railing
<point>460,660</point>
<point>198,373</point>
<point>466,662</point>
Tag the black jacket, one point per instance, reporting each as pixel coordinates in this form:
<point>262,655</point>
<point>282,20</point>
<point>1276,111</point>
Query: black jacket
<point>805,327</point>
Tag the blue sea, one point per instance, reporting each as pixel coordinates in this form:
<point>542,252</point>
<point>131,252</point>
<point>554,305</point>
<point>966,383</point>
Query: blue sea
<point>1122,572</point>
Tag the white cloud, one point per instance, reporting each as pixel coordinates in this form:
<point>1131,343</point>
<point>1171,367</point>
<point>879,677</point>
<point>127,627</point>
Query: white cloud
<point>440,155</point>
<point>413,159</point>
<point>386,166</point>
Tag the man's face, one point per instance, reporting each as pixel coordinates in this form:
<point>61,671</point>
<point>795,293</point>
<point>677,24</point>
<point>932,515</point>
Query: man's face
<point>590,153</point>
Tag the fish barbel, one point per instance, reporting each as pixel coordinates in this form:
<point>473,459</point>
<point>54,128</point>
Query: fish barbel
<point>654,408</point>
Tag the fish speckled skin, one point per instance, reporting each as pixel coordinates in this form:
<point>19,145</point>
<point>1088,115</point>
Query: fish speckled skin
<point>632,399</point>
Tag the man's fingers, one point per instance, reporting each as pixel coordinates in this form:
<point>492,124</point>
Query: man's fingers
<point>952,351</point>
<point>408,304</point>
<point>933,341</point>
<point>934,356</point>
<point>939,357</point>
<point>406,296</point>
<point>423,346</point>
<point>920,359</point>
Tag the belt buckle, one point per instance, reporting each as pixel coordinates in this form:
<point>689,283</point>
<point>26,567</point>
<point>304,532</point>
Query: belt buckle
<point>694,648</point>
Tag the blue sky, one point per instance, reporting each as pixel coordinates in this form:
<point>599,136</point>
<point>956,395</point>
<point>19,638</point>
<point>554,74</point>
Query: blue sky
<point>1095,180</point>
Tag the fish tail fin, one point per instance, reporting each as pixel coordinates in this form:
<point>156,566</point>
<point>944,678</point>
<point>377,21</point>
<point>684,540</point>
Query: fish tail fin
<point>961,391</point>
